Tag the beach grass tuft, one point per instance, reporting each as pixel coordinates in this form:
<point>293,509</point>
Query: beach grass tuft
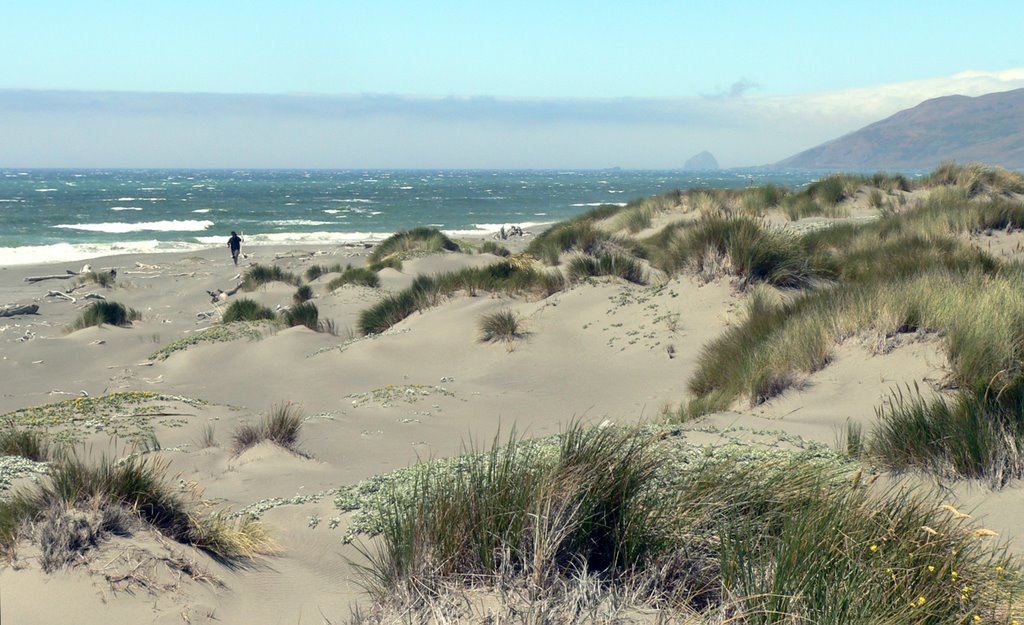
<point>362,276</point>
<point>503,325</point>
<point>259,275</point>
<point>245,309</point>
<point>302,294</point>
<point>609,264</point>
<point>105,313</point>
<point>280,427</point>
<point>420,239</point>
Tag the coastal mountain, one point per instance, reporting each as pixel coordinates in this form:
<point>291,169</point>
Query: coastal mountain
<point>988,128</point>
<point>701,162</point>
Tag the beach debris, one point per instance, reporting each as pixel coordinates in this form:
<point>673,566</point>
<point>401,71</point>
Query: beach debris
<point>98,342</point>
<point>28,336</point>
<point>61,295</point>
<point>93,296</point>
<point>206,314</point>
<point>16,309</point>
<point>68,274</point>
<point>219,295</point>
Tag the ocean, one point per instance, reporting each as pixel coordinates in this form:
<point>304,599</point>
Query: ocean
<point>67,215</point>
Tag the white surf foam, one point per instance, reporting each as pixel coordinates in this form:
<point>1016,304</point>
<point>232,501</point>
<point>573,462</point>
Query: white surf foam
<point>125,208</point>
<point>600,204</point>
<point>188,225</point>
<point>67,252</point>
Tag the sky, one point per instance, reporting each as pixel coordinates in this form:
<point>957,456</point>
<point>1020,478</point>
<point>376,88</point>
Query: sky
<point>555,84</point>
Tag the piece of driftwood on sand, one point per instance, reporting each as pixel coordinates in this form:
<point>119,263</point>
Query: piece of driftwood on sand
<point>68,274</point>
<point>220,295</point>
<point>16,309</point>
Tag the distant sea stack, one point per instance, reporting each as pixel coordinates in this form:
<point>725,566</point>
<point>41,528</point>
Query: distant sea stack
<point>987,129</point>
<point>701,162</point>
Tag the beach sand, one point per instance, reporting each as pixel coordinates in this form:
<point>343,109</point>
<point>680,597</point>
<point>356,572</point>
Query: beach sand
<point>602,350</point>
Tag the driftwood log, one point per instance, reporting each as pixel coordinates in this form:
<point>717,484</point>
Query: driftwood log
<point>11,311</point>
<point>68,274</point>
<point>220,296</point>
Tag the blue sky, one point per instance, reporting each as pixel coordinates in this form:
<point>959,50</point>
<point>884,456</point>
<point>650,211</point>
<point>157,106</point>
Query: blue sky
<point>523,84</point>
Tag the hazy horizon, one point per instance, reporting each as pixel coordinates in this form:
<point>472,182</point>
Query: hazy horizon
<point>530,85</point>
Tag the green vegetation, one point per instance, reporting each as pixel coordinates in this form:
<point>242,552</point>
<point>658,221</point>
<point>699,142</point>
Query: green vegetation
<point>610,264</point>
<point>428,291</point>
<point>302,294</point>
<point>786,538</point>
<point>259,275</point>
<point>103,312</point>
<point>315,271</point>
<point>79,504</point>
<point>976,179</point>
<point>490,247</point>
<point>306,314</point>
<point>245,309</point>
<point>224,332</point>
<point>26,443</point>
<point>421,240</point>
<point>361,276</point>
<point>281,427</point>
<point>503,325</point>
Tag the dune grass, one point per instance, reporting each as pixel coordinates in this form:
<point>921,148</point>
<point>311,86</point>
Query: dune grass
<point>361,276</point>
<point>105,313</point>
<point>428,291</point>
<point>80,503</point>
<point>104,279</point>
<point>26,443</point>
<point>308,315</point>
<point>315,271</point>
<point>490,247</point>
<point>976,179</point>
<point>780,539</point>
<point>615,264</point>
<point>245,309</point>
<point>503,325</point>
<point>302,294</point>
<point>739,246</point>
<point>421,239</point>
<point>280,427</point>
<point>259,275</point>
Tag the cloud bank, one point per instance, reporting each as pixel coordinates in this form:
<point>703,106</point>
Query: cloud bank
<point>741,127</point>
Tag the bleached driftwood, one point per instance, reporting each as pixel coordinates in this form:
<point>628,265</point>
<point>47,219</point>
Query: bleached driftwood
<point>220,296</point>
<point>68,274</point>
<point>15,309</point>
<point>94,296</point>
<point>61,296</point>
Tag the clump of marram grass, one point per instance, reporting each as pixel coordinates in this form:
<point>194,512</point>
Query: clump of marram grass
<point>245,309</point>
<point>280,427</point>
<point>302,294</point>
<point>105,313</point>
<point>259,275</point>
<point>503,325</point>
<point>737,246</point>
<point>79,504</point>
<point>26,443</point>
<point>772,539</point>
<point>611,264</point>
<point>308,315</point>
<point>428,291</point>
<point>361,276</point>
<point>315,271</point>
<point>420,239</point>
<point>490,247</point>
<point>976,179</point>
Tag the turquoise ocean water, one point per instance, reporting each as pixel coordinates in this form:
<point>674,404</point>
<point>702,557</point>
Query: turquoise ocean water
<point>65,215</point>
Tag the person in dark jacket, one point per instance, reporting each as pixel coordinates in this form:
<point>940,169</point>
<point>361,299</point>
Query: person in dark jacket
<point>235,243</point>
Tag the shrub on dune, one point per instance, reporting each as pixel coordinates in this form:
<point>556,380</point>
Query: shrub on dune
<point>618,265</point>
<point>281,427</point>
<point>490,247</point>
<point>503,325</point>
<point>106,313</point>
<point>422,239</point>
<point>244,309</point>
<point>263,274</point>
<point>80,503</point>
<point>302,294</point>
<point>776,539</point>
<point>304,314</point>
<point>25,443</point>
<point>361,276</point>
<point>315,271</point>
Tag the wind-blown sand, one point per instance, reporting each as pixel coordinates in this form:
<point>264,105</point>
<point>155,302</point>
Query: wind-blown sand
<point>602,350</point>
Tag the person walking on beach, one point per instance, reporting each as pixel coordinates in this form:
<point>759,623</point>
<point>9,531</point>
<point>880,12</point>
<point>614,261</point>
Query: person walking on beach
<point>235,243</point>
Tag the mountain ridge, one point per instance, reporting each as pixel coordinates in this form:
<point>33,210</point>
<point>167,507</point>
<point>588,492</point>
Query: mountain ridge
<point>987,128</point>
